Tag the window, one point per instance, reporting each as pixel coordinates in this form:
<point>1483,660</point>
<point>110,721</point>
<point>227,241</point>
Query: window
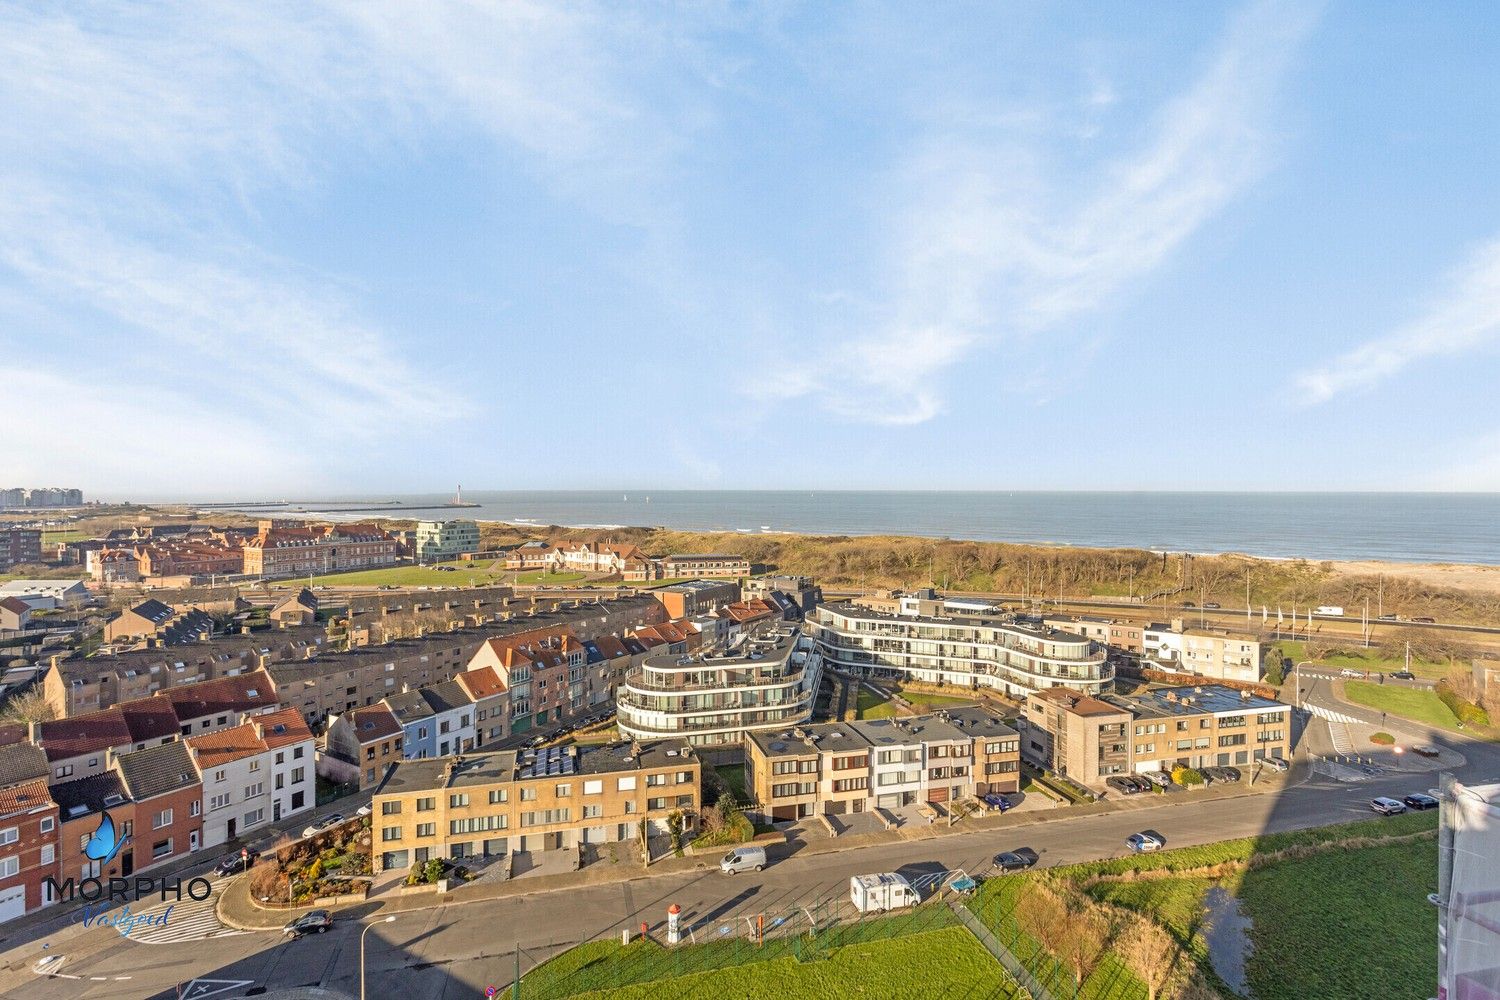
<point>683,777</point>
<point>593,788</point>
<point>9,835</point>
<point>542,817</point>
<point>195,808</point>
<point>281,757</point>
<point>479,824</point>
<point>161,819</point>
<point>659,803</point>
<point>426,805</point>
<point>218,775</point>
<point>390,808</point>
<point>655,780</point>
<point>528,794</point>
<point>254,816</point>
<point>629,806</point>
<point>426,829</point>
<point>161,849</point>
<point>593,812</point>
<point>9,867</point>
<point>219,801</point>
<point>251,791</point>
<point>46,824</point>
<point>298,773</point>
<point>49,854</point>
<point>297,753</point>
<point>390,833</point>
<point>564,791</point>
<point>254,766</point>
<point>63,772</point>
<point>458,800</point>
<point>499,795</point>
<point>625,784</point>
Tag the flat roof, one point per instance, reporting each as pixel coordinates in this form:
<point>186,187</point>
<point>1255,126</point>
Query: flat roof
<point>912,729</point>
<point>1206,698</point>
<point>826,737</point>
<point>1007,621</point>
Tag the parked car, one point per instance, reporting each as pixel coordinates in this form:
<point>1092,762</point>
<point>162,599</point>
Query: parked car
<point>1387,807</point>
<point>327,822</point>
<point>1425,621</point>
<point>1017,860</point>
<point>239,861</point>
<point>743,859</point>
<point>1418,800</point>
<point>1161,778</point>
<point>1144,842</point>
<point>1210,606</point>
<point>1425,750</point>
<point>1189,604</point>
<point>1231,774</point>
<point>363,810</point>
<point>1121,784</point>
<point>1351,672</point>
<point>1276,763</point>
<point>1404,675</point>
<point>997,802</point>
<point>311,922</point>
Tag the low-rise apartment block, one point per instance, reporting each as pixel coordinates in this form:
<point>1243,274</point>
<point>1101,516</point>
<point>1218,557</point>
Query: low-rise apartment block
<point>708,564</point>
<point>19,547</point>
<point>504,802</point>
<point>1088,739</point>
<point>1221,654</point>
<point>436,541</point>
<point>158,625</point>
<point>367,739</point>
<point>695,597</point>
<point>282,549</point>
<point>892,764</point>
<point>28,845</point>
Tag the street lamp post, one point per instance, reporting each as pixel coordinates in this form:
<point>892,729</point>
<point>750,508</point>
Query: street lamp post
<point>362,952</point>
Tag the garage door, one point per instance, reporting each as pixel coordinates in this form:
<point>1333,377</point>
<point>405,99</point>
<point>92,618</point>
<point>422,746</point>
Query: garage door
<point>937,795</point>
<point>13,903</point>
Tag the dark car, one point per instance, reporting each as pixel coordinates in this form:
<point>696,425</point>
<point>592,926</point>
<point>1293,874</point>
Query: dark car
<point>1404,675</point>
<point>1124,786</point>
<point>1017,860</point>
<point>997,802</point>
<point>1231,774</point>
<point>1425,621</point>
<point>1210,606</point>
<point>1419,801</point>
<point>239,861</point>
<point>312,922</point>
<point>1189,604</point>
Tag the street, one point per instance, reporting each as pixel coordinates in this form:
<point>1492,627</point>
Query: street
<point>456,950</point>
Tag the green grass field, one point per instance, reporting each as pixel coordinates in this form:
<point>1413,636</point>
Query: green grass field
<point>942,959</point>
<point>734,777</point>
<point>1409,703</point>
<point>1369,661</point>
<point>923,700</point>
<point>872,706</point>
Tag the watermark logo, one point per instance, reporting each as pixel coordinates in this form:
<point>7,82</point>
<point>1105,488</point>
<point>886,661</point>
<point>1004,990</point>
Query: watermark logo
<point>124,921</point>
<point>104,844</point>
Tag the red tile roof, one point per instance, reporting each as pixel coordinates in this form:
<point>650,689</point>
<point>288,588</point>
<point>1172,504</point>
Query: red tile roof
<point>481,683</point>
<point>216,749</point>
<point>374,722</point>
<point>150,718</point>
<point>250,692</point>
<point>14,604</point>
<point>88,733</point>
<point>25,797</point>
<point>293,728</point>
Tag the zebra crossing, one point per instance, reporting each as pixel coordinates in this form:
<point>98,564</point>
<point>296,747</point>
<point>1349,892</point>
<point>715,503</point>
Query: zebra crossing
<point>190,920</point>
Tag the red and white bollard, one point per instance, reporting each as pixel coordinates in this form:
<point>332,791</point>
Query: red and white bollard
<point>674,932</point>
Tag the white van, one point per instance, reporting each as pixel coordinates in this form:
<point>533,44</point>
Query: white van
<point>743,859</point>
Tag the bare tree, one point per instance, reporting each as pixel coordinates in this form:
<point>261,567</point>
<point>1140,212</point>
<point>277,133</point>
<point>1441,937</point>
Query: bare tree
<point>30,706</point>
<point>1150,952</point>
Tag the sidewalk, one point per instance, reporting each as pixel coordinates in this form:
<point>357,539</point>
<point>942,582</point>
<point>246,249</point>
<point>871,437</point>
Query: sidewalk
<point>236,909</point>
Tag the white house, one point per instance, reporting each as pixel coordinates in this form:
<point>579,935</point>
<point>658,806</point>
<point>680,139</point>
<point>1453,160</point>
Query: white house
<point>236,771</point>
<point>290,745</point>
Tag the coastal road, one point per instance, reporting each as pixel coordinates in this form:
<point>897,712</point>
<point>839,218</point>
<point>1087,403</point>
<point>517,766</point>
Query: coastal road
<point>458,949</point>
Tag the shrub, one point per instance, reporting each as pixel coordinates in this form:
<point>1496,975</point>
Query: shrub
<point>1383,739</point>
<point>314,871</point>
<point>1464,710</point>
<point>1187,776</point>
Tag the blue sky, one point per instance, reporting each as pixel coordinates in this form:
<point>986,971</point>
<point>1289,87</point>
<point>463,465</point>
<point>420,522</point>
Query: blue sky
<point>354,247</point>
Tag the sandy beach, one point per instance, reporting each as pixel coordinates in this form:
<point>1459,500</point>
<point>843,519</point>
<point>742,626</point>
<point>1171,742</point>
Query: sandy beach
<point>1464,575</point>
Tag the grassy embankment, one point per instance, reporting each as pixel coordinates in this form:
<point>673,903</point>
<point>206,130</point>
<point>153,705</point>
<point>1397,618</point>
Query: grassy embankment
<point>1368,880</point>
<point>878,959</point>
<point>1377,659</point>
<point>1409,703</point>
<point>872,706</point>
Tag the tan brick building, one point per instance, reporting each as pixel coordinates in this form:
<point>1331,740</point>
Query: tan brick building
<point>293,549</point>
<point>507,801</point>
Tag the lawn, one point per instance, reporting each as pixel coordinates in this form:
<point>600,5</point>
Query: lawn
<point>1409,703</point>
<point>1374,895</point>
<point>921,699</point>
<point>463,575</point>
<point>871,706</point>
<point>543,578</point>
<point>946,960</point>
<point>1369,661</point>
<point>734,777</point>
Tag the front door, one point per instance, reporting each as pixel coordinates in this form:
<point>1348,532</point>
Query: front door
<point>192,840</point>
<point>127,862</point>
<point>276,811</point>
<point>231,830</point>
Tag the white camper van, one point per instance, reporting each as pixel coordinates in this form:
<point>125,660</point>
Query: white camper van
<point>886,891</point>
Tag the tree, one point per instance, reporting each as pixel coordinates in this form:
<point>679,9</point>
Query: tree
<point>1150,952</point>
<point>30,706</point>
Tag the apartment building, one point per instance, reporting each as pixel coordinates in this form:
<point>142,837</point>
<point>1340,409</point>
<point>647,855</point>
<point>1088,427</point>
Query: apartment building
<point>81,807</point>
<point>159,625</point>
<point>1075,734</point>
<point>531,556</point>
<point>436,721</point>
<point>441,540</point>
<point>506,801</point>
<point>190,558</point>
<point>601,557</point>
<point>704,564</point>
<point>236,783</point>
<point>545,670</point>
<point>767,681</point>
<point>114,566</point>
<point>695,597</point>
<point>73,686</point>
<point>491,701</point>
<point>892,764</point>
<point>1221,654</point>
<point>1089,739</point>
<point>802,592</point>
<point>971,651</point>
<point>290,745</point>
<point>19,547</point>
<point>282,549</point>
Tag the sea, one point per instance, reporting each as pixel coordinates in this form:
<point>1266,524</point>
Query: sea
<point>1399,527</point>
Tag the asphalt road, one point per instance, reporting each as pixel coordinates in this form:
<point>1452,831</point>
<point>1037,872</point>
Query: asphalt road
<point>457,950</point>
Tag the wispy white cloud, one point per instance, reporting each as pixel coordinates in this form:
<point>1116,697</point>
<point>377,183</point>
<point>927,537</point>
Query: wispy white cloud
<point>1464,318</point>
<point>990,244</point>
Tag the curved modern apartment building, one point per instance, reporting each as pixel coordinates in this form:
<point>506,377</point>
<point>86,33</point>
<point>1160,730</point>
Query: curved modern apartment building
<point>964,650</point>
<point>767,680</point>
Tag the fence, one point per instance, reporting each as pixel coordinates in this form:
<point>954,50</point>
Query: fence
<point>807,930</point>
